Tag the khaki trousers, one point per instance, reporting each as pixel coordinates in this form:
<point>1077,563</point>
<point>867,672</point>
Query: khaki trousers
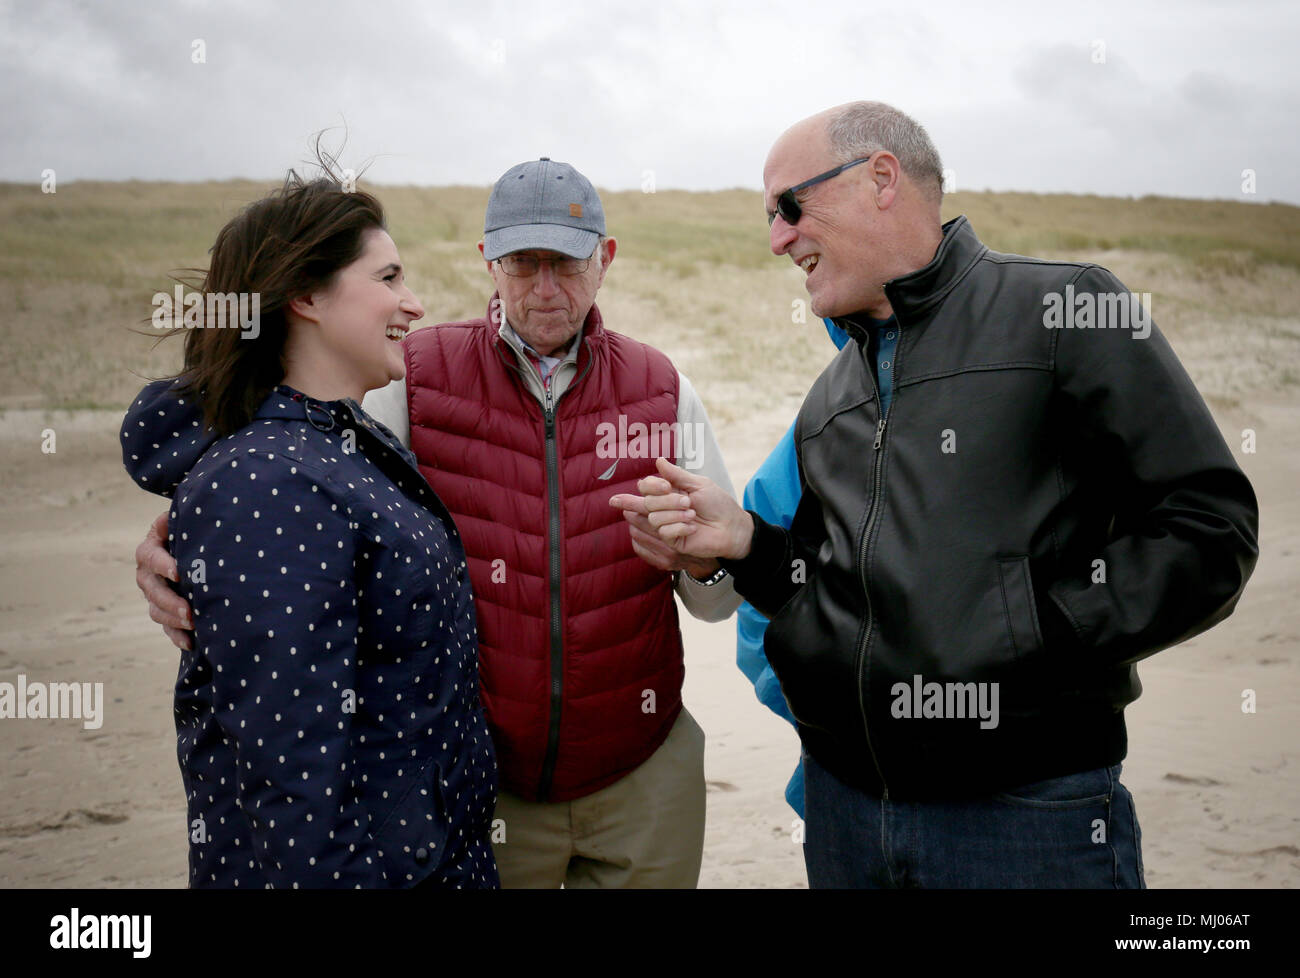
<point>644,831</point>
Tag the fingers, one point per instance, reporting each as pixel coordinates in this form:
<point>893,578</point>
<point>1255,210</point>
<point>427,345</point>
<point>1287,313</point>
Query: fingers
<point>653,551</point>
<point>670,517</point>
<point>650,546</point>
<point>651,540</point>
<point>675,534</point>
<point>668,491</point>
<point>166,607</point>
<point>180,639</point>
<point>154,566</point>
<point>629,504</point>
<point>152,553</point>
<point>649,505</point>
<point>657,495</point>
<point>679,477</point>
<point>638,522</point>
<point>652,485</point>
<point>651,524</point>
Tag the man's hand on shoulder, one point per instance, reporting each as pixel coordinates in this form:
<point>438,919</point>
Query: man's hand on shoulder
<point>154,567</point>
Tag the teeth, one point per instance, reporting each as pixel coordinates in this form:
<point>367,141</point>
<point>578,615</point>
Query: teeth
<point>809,263</point>
<point>394,332</point>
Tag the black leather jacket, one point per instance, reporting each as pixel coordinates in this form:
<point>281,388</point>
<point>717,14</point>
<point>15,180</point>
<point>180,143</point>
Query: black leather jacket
<point>1041,508</point>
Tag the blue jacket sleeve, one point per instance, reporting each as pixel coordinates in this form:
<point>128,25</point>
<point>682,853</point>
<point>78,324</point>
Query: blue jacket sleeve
<point>773,492</point>
<point>268,552</point>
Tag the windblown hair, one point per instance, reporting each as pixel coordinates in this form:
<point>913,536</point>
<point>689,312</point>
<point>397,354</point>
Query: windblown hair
<point>288,244</point>
<point>861,128</point>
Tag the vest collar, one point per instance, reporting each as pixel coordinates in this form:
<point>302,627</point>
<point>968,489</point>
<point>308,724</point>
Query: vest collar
<point>586,342</point>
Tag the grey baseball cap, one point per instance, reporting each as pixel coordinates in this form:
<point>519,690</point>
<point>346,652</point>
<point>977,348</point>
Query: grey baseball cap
<point>543,204</point>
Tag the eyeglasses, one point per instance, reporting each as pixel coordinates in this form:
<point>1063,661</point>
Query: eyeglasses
<point>526,266</point>
<point>789,208</point>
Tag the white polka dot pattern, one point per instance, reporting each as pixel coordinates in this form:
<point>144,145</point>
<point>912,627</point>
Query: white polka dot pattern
<point>328,721</point>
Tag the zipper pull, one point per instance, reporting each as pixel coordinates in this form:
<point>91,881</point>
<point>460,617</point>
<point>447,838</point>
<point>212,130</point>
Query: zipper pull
<point>880,433</point>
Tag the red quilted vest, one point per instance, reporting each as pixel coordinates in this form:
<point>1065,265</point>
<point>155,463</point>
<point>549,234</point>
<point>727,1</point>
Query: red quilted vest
<point>580,656</point>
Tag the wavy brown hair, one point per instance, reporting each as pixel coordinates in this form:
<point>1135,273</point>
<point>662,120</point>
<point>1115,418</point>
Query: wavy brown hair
<point>288,244</point>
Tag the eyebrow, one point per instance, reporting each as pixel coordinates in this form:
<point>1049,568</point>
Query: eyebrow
<point>392,266</point>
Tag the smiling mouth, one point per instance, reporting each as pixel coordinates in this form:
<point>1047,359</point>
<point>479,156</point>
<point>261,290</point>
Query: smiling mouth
<point>809,262</point>
<point>395,333</point>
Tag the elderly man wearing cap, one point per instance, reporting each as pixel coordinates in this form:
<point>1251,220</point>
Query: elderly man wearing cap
<point>526,422</point>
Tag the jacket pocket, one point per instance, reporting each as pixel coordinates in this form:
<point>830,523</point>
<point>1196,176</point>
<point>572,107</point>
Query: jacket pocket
<point>412,838</point>
<point>811,645</point>
<point>1018,605</point>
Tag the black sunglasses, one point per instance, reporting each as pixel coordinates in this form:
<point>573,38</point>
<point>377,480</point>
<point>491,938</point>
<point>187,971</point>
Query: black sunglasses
<point>789,208</point>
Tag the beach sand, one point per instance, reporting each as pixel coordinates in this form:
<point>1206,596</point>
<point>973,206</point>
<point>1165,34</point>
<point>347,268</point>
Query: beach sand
<point>1217,789</point>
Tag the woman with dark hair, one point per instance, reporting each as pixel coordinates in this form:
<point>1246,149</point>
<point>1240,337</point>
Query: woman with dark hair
<point>329,729</point>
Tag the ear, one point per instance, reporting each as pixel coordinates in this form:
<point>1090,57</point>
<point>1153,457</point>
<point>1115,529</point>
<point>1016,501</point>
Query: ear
<point>480,251</point>
<point>606,257</point>
<point>307,307</point>
<point>886,179</point>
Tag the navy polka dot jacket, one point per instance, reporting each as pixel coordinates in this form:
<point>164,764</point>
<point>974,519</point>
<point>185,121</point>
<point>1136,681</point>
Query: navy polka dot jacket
<point>328,722</point>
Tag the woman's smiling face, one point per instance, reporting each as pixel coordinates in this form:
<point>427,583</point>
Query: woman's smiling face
<point>360,320</point>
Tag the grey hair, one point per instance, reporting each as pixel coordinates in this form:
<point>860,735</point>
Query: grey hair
<point>861,128</point>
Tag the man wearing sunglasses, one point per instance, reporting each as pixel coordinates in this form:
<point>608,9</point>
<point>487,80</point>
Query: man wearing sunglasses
<point>1003,508</point>
<point>518,420</point>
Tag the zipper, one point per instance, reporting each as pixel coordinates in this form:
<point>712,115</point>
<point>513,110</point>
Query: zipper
<point>863,654</point>
<point>556,567</point>
<point>557,624</point>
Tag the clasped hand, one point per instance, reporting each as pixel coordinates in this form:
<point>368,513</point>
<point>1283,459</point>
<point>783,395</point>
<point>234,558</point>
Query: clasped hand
<point>689,513</point>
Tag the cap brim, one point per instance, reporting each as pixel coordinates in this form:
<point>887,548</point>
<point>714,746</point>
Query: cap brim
<point>574,242</point>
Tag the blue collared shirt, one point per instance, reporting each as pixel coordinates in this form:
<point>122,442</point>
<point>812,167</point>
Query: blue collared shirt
<point>882,347</point>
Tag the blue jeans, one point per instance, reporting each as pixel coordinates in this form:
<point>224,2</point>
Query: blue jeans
<point>1076,831</point>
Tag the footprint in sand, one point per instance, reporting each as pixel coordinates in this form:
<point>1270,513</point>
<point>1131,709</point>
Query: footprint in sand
<point>1185,779</point>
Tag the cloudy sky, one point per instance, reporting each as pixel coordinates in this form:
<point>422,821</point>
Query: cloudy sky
<point>1173,98</point>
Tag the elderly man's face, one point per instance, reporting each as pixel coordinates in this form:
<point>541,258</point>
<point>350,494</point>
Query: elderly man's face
<point>834,241</point>
<point>547,309</point>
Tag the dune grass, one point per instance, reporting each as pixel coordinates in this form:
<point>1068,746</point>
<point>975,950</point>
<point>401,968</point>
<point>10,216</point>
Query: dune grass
<point>693,275</point>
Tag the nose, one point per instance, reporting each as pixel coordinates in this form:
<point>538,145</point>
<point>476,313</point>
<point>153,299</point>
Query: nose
<point>781,235</point>
<point>411,306</point>
<point>546,281</point>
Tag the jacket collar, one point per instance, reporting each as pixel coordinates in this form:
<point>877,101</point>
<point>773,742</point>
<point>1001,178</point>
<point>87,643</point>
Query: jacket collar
<point>915,294</point>
<point>285,403</point>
